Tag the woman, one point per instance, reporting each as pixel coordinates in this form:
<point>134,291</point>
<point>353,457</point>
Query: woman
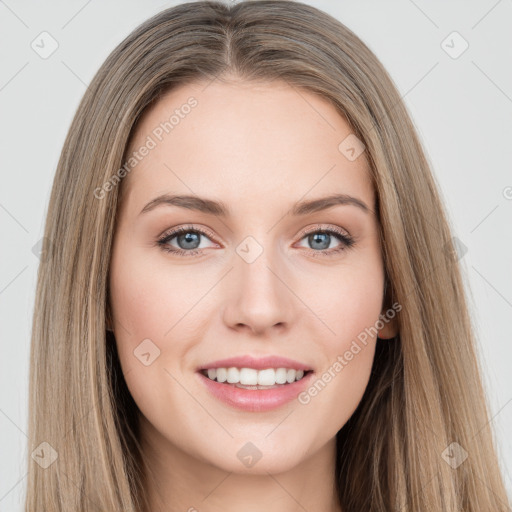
<point>194,348</point>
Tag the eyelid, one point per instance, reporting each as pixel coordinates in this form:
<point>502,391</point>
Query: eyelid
<point>342,235</point>
<point>189,227</point>
<point>323,227</point>
<point>204,230</point>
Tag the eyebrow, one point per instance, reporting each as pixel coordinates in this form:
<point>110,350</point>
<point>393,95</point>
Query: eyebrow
<point>220,209</point>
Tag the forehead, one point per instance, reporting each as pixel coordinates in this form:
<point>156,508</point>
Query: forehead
<point>245,143</point>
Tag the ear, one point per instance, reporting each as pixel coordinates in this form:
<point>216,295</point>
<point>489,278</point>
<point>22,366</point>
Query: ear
<point>390,329</point>
<point>389,314</point>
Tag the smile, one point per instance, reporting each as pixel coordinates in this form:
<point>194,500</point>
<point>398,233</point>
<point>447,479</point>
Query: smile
<point>254,378</point>
<point>267,389</point>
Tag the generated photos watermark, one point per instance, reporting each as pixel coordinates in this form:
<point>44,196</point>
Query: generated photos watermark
<point>151,142</point>
<point>343,360</point>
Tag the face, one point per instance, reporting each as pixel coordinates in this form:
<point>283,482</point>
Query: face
<point>264,278</point>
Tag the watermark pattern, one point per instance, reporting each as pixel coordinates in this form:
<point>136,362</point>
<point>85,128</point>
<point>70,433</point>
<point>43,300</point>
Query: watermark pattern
<point>46,254</point>
<point>454,249</point>
<point>249,454</point>
<point>454,455</point>
<point>45,455</point>
<point>249,249</point>
<point>146,352</point>
<point>343,360</point>
<point>150,143</point>
<point>44,45</point>
<point>454,45</point>
<point>351,147</point>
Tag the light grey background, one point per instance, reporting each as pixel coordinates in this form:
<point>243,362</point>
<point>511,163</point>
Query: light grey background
<point>462,108</point>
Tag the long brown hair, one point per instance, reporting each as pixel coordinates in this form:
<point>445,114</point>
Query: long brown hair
<point>425,391</point>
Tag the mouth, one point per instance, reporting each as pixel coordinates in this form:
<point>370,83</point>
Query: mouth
<point>250,378</point>
<point>252,390</point>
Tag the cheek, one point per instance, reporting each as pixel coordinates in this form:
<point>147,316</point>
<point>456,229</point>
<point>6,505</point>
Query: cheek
<point>355,313</point>
<point>152,300</point>
<point>147,300</point>
<point>145,308</point>
<point>351,310</point>
<point>139,316</point>
<point>351,302</point>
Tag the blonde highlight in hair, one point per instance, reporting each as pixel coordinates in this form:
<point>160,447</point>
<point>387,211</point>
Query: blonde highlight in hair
<point>425,391</point>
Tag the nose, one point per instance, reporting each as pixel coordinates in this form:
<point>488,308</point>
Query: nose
<point>259,298</point>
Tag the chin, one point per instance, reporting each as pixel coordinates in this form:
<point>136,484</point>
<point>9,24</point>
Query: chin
<point>259,456</point>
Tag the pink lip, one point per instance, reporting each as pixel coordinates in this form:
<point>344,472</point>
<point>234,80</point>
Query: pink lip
<point>258,364</point>
<point>258,400</point>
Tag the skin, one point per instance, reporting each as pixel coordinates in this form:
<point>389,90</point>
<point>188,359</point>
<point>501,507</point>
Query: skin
<point>259,148</point>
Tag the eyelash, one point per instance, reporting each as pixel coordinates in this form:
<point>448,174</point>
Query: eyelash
<point>346,241</point>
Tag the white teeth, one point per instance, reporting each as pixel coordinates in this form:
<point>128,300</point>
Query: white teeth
<point>266,377</point>
<point>233,375</point>
<point>248,376</point>
<point>280,375</point>
<point>252,377</point>
<point>222,374</point>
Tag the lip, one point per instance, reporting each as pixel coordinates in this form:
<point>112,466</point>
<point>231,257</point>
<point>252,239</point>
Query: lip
<point>261,363</point>
<point>256,400</point>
